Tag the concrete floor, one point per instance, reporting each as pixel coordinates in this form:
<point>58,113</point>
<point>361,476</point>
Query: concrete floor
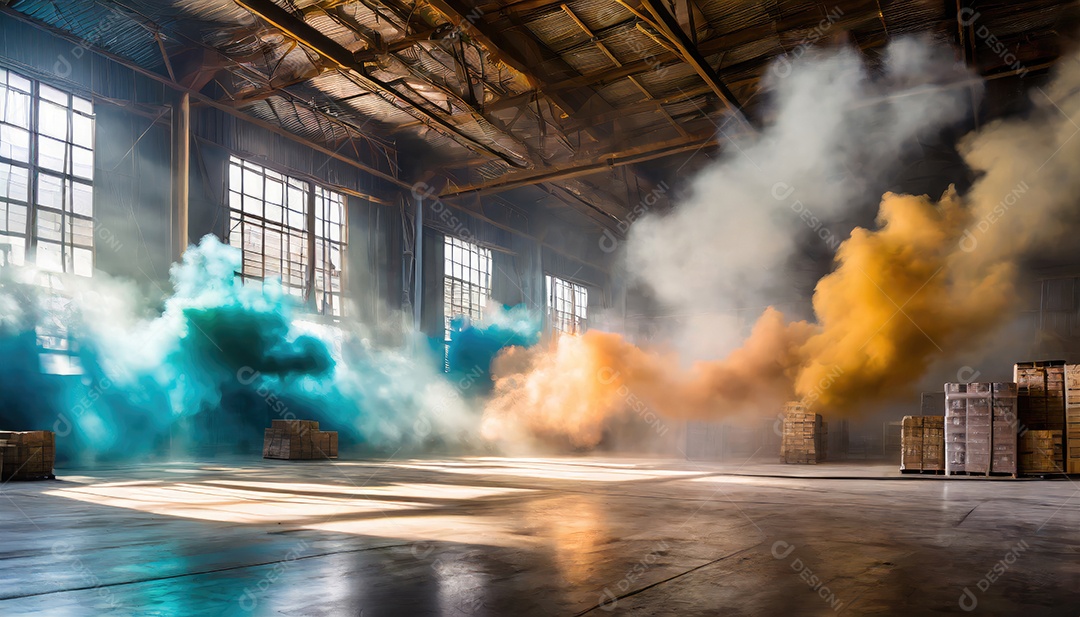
<point>496,536</point>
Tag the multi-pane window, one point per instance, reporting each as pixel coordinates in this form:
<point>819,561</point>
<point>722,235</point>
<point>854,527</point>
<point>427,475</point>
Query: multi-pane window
<point>330,239</point>
<point>466,281</point>
<point>567,305</point>
<point>46,191</point>
<point>270,223</point>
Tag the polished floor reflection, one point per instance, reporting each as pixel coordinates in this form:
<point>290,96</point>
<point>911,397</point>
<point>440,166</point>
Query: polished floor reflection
<point>568,536</point>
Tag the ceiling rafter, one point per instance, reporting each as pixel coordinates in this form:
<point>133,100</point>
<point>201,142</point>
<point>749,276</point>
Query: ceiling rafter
<point>692,56</point>
<point>346,61</point>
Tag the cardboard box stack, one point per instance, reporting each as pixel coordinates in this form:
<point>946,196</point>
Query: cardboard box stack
<point>27,455</point>
<point>911,444</point>
<point>923,444</point>
<point>1040,452</point>
<point>933,443</point>
<point>299,440</point>
<point>1040,404</point>
<point>1071,445</point>
<point>980,428</point>
<point>802,442</point>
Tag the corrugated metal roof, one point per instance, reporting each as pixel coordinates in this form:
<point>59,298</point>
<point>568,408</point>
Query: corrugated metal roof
<point>99,24</point>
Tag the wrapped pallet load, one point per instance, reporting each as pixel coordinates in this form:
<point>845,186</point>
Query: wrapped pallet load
<point>980,428</point>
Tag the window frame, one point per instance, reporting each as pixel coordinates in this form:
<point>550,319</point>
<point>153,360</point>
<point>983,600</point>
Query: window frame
<point>468,269</point>
<point>302,223</point>
<point>567,305</point>
<point>71,217</point>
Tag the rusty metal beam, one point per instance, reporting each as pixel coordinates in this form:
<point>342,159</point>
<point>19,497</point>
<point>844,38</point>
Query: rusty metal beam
<point>575,202</point>
<point>636,154</point>
<point>329,49</point>
<point>689,51</point>
<point>470,20</point>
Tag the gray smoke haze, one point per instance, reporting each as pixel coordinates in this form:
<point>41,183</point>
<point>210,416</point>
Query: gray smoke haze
<point>837,127</point>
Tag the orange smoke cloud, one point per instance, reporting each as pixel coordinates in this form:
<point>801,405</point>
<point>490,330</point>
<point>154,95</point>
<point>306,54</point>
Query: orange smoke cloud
<point>895,302</point>
<point>932,280</point>
<point>899,296</point>
<point>573,388</point>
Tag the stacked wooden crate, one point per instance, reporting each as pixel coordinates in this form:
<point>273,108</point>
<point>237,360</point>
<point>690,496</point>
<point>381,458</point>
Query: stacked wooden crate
<point>1040,404</point>
<point>27,455</point>
<point>923,444</point>
<point>802,441</point>
<point>299,440</point>
<point>1040,452</point>
<point>1041,394</point>
<point>911,444</point>
<point>976,414</point>
<point>1071,445</point>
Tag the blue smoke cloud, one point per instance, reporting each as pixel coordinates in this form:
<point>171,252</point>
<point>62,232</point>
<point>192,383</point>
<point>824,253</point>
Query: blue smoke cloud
<point>221,360</point>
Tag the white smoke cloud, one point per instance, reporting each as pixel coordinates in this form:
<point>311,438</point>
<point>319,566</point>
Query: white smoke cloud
<point>837,126</point>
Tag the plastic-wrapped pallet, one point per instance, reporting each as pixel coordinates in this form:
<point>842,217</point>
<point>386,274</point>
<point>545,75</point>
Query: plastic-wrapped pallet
<point>1003,446</point>
<point>955,428</point>
<point>980,428</point>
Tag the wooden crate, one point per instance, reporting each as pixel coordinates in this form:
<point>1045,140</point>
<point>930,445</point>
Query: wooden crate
<point>299,440</point>
<point>922,444</point>
<point>27,455</point>
<point>1071,435</point>
<point>802,441</point>
<point>1040,404</point>
<point>1040,452</point>
<point>933,449</point>
<point>911,444</point>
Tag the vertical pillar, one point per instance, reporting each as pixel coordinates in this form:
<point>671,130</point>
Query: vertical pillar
<point>181,144</point>
<point>418,261</point>
<point>309,292</point>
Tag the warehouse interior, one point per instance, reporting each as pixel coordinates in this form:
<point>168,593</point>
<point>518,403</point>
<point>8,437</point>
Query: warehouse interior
<point>539,307</point>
